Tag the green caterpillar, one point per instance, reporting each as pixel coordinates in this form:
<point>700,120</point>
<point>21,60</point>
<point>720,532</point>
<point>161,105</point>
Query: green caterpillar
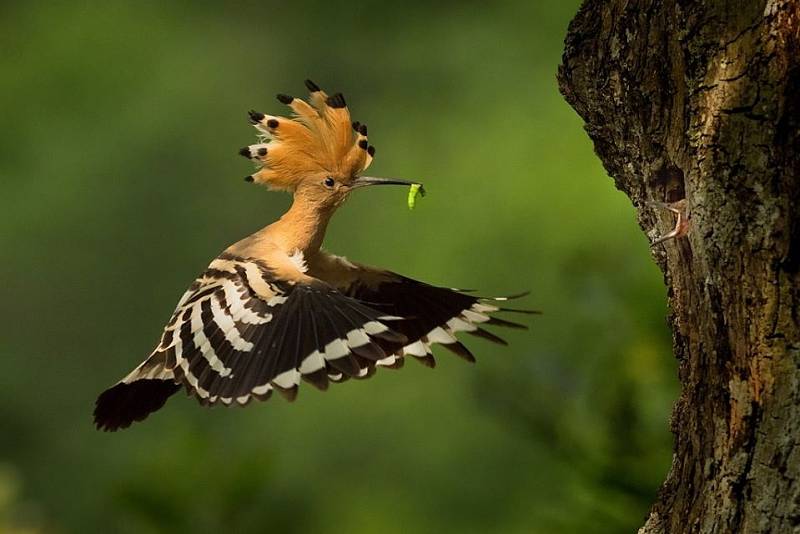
<point>413,191</point>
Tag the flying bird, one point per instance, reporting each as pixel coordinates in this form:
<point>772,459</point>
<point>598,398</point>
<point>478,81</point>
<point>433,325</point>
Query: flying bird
<point>275,309</point>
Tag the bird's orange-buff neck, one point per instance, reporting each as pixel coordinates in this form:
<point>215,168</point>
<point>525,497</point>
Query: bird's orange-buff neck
<point>301,228</point>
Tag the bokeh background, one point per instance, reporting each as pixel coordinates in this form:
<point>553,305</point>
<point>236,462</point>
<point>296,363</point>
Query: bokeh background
<point>121,181</point>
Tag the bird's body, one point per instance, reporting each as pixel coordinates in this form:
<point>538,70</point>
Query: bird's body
<point>275,309</point>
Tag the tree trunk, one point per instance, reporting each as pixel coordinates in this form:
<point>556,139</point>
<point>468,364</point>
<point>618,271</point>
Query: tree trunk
<point>701,100</point>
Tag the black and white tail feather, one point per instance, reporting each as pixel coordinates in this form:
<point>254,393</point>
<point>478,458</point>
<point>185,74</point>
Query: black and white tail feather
<point>239,334</point>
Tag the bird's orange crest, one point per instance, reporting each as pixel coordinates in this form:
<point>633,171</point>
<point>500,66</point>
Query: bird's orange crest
<point>318,138</point>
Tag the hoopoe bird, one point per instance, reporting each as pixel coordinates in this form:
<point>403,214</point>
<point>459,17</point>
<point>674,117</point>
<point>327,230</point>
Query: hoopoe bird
<point>275,309</point>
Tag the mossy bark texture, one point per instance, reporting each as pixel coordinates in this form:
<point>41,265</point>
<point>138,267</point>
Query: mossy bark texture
<point>701,100</point>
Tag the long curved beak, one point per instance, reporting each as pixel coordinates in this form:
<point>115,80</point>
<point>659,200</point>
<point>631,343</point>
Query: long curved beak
<point>363,181</point>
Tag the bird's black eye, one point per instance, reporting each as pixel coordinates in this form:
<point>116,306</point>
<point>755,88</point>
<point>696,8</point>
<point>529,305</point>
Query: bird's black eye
<point>329,182</point>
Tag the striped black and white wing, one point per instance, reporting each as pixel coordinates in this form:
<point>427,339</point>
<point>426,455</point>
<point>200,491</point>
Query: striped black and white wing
<point>238,334</point>
<point>433,314</point>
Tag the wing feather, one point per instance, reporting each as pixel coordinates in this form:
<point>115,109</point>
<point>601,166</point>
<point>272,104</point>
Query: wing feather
<point>238,333</point>
<point>430,314</point>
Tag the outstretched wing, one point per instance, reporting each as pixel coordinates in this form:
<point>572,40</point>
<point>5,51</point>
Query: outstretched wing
<point>238,334</point>
<point>430,314</point>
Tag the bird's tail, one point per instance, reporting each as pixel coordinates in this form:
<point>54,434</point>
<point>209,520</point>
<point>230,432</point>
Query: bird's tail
<point>136,396</point>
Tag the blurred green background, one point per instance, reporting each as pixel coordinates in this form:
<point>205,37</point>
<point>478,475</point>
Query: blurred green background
<point>121,182</point>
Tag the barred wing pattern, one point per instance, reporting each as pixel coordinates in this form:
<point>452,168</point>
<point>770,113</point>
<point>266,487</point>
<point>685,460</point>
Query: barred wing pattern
<point>238,334</point>
<point>435,314</point>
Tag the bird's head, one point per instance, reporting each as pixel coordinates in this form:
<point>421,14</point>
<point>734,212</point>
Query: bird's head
<point>318,154</point>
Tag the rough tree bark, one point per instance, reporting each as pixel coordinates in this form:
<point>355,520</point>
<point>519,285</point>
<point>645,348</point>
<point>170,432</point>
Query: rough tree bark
<point>701,100</point>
